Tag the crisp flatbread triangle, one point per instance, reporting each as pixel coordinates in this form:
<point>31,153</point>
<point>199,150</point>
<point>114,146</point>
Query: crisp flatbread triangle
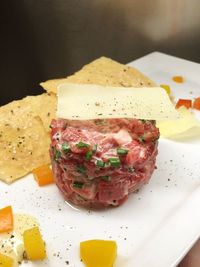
<point>103,71</point>
<point>44,106</point>
<point>22,148</point>
<point>24,135</point>
<point>17,112</point>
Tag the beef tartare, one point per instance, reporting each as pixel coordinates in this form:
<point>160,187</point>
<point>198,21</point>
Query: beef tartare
<point>98,163</point>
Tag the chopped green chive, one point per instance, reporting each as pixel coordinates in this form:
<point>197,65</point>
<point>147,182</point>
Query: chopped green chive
<point>77,184</point>
<point>65,147</point>
<point>141,139</point>
<point>114,162</point>
<point>82,145</point>
<point>94,149</point>
<point>81,197</point>
<point>122,151</point>
<point>106,178</point>
<point>100,163</point>
<point>57,154</point>
<point>81,169</point>
<point>153,121</point>
<point>88,155</point>
<point>99,122</point>
<point>144,121</point>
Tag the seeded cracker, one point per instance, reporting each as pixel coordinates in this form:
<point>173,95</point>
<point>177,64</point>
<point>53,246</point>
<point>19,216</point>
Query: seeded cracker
<point>106,72</point>
<point>24,137</point>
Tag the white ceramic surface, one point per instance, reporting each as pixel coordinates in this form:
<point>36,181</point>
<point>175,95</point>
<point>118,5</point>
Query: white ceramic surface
<point>156,226</point>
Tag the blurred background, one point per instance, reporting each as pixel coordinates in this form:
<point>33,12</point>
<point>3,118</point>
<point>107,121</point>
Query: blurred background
<point>46,39</point>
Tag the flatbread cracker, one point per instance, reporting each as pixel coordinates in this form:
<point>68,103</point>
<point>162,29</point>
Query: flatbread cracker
<point>22,148</point>
<point>24,135</point>
<point>103,71</point>
<point>18,111</point>
<point>44,106</point>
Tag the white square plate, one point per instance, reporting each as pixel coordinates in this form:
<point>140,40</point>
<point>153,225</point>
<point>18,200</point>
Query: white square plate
<point>156,226</point>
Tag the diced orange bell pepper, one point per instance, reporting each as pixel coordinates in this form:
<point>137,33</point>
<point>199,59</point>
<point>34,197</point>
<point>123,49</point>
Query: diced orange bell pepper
<point>184,102</point>
<point>43,175</point>
<point>196,103</point>
<point>167,88</point>
<point>178,79</point>
<point>6,261</point>
<point>6,219</point>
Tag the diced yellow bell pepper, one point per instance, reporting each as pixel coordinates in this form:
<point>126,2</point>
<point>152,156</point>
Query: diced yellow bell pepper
<point>167,88</point>
<point>34,244</point>
<point>6,261</point>
<point>98,253</point>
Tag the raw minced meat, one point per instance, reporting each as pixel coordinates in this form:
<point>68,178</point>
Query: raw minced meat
<point>98,163</point>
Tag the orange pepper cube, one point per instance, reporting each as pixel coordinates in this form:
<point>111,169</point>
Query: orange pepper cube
<point>6,219</point>
<point>43,175</point>
<point>178,79</point>
<point>196,103</point>
<point>6,261</point>
<point>184,102</point>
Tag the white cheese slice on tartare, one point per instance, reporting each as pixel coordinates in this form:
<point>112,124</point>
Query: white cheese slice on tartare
<point>84,102</point>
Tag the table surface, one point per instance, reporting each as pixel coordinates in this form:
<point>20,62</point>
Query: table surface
<point>192,259</point>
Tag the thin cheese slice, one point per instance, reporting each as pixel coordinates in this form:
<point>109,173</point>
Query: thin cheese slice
<point>83,102</point>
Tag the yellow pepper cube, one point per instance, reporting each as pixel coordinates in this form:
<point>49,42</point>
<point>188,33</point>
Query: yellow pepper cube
<point>167,88</point>
<point>98,253</point>
<point>6,261</point>
<point>34,244</point>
